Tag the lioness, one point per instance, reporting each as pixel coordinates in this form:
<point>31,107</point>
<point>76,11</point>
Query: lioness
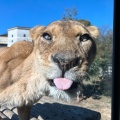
<point>53,64</point>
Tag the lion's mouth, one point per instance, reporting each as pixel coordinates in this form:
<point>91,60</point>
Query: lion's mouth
<point>65,64</point>
<point>63,83</point>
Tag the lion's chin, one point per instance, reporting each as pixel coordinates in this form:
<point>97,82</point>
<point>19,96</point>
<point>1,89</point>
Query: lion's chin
<point>60,95</point>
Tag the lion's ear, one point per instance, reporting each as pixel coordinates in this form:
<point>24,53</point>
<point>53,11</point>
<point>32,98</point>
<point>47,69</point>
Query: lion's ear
<point>35,32</point>
<point>93,31</point>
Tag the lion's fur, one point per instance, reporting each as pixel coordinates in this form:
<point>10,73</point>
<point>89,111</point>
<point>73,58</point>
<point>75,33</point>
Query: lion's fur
<point>25,67</point>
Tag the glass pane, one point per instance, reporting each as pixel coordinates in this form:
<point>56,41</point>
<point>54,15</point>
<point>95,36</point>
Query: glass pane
<point>64,64</point>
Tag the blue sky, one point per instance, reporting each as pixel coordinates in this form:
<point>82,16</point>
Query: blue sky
<point>30,13</point>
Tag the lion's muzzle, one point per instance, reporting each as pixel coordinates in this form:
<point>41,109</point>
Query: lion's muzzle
<point>66,60</point>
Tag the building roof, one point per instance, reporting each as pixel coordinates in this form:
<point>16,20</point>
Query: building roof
<point>19,27</point>
<point>4,35</point>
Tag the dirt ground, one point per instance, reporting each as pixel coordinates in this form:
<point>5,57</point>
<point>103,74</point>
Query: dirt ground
<point>102,105</point>
<point>99,100</point>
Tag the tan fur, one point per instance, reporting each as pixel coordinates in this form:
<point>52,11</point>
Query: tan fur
<point>26,67</point>
<point>3,50</point>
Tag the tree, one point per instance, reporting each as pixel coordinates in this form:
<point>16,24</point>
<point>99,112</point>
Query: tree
<point>104,51</point>
<point>84,22</point>
<point>71,13</point>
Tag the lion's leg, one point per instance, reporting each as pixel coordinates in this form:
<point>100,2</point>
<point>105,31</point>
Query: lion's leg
<point>24,112</point>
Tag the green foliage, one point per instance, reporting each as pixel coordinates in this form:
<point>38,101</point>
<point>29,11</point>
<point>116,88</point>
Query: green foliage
<point>94,68</point>
<point>85,22</point>
<point>105,47</point>
<point>104,51</point>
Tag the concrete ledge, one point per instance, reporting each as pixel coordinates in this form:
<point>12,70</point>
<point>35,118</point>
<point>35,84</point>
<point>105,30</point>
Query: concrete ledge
<point>44,110</point>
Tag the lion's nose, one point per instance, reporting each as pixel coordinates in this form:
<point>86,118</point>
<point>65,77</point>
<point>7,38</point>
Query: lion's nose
<point>65,63</point>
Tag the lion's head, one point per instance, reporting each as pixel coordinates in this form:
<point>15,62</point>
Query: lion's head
<point>64,51</point>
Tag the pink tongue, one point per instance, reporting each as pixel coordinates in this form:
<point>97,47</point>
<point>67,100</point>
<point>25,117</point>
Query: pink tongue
<point>63,83</point>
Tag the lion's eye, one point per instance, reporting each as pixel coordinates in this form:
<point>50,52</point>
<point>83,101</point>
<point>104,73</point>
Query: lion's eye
<point>46,36</point>
<point>84,38</point>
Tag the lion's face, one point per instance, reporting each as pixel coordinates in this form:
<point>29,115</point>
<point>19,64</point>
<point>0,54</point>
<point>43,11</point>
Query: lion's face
<point>64,51</point>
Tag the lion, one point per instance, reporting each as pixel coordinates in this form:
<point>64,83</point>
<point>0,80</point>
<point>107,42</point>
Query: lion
<point>53,64</point>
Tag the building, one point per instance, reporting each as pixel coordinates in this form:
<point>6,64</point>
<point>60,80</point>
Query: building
<point>3,40</point>
<point>17,34</point>
<point>14,35</point>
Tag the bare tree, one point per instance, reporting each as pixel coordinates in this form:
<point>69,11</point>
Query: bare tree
<point>71,13</point>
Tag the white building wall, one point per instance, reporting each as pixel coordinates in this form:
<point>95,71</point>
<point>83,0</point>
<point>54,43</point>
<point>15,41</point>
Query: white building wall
<point>3,40</point>
<point>15,35</point>
<point>12,36</point>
